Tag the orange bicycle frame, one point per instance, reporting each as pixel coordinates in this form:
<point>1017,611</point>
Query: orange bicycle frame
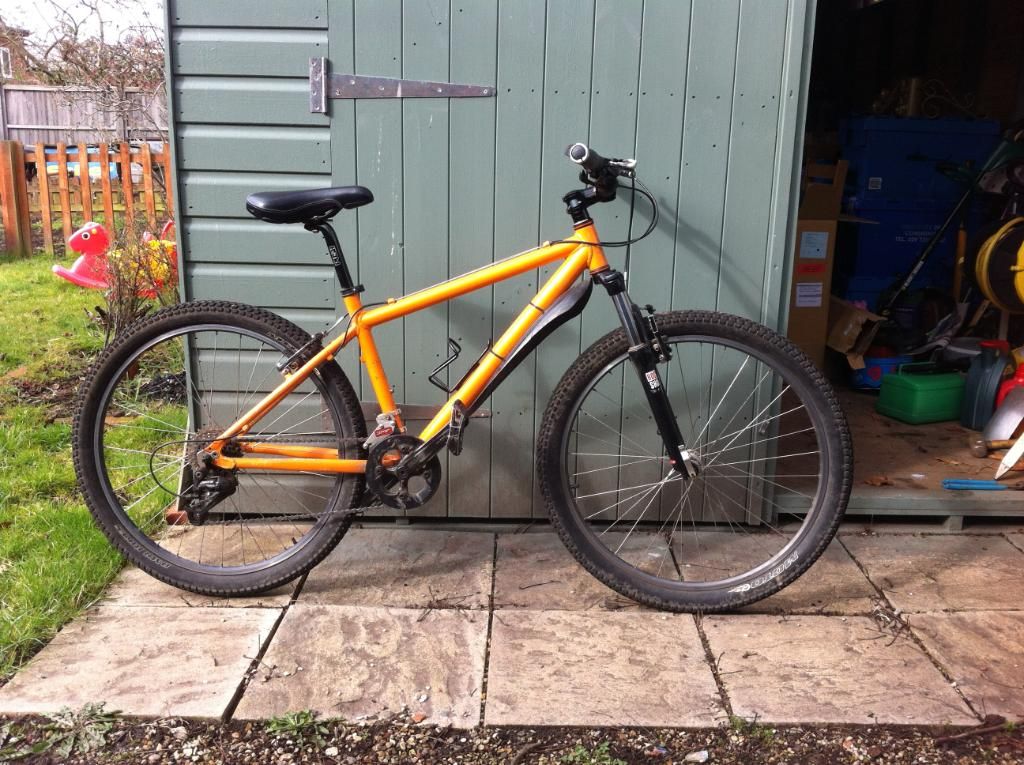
<point>581,252</point>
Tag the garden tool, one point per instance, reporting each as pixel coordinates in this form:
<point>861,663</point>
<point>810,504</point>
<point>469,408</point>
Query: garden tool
<point>1011,458</point>
<point>972,484</point>
<point>1007,418</point>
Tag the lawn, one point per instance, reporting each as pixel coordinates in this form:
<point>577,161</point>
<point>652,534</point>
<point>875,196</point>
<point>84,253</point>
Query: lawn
<point>53,561</point>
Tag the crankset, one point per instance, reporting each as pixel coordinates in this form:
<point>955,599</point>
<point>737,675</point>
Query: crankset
<point>396,485</point>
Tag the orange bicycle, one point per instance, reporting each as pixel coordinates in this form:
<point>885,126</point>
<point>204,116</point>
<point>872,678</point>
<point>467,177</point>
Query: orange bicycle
<point>691,460</point>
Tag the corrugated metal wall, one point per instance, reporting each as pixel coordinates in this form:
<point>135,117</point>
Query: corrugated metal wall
<point>706,94</point>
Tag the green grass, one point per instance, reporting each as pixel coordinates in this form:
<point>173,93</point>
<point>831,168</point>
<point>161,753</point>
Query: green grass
<point>53,560</point>
<point>41,315</point>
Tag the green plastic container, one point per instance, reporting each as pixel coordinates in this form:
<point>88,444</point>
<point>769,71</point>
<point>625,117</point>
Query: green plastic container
<point>916,394</point>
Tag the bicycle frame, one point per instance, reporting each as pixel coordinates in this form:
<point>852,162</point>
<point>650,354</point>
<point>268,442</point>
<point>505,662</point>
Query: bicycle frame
<point>579,253</point>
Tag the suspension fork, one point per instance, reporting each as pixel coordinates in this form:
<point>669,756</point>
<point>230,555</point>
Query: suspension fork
<point>642,352</point>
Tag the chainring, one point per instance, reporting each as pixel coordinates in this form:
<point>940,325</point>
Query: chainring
<point>402,494</point>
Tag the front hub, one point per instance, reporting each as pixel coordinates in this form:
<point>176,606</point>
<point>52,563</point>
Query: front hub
<point>691,463</point>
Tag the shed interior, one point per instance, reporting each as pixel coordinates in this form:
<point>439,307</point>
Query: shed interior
<point>913,104</point>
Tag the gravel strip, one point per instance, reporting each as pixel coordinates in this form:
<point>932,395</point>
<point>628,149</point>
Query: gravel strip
<point>401,740</point>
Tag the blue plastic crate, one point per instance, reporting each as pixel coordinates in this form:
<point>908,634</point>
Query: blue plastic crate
<point>893,160</point>
<point>875,255</point>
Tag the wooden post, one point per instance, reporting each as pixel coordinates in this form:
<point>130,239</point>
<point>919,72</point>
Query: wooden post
<point>108,194</point>
<point>85,182</point>
<point>14,198</point>
<point>126,182</point>
<point>44,198</point>
<point>65,192</point>
<point>3,112</point>
<point>147,184</point>
<point>165,159</point>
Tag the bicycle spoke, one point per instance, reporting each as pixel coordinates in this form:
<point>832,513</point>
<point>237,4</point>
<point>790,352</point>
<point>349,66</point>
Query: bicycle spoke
<point>146,456</point>
<point>741,420</point>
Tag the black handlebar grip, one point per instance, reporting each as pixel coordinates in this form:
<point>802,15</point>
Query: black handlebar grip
<point>586,158</point>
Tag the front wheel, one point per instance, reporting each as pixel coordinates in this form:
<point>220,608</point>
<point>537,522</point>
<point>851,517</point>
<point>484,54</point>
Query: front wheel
<point>769,440</point>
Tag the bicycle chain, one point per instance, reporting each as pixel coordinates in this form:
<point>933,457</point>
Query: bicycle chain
<point>343,443</point>
<point>356,442</point>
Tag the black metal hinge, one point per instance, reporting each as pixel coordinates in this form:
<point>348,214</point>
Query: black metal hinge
<point>324,84</point>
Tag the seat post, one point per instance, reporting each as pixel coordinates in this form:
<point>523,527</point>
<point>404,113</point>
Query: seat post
<point>337,256</point>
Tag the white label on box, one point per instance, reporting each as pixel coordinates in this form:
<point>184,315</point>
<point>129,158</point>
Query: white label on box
<point>814,244</point>
<point>874,183</point>
<point>808,294</point>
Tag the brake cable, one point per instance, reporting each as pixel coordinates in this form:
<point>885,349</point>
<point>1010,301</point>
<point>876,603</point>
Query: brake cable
<point>630,240</point>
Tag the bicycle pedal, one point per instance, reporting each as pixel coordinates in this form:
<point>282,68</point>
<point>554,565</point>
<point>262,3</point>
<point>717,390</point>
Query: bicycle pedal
<point>456,428</point>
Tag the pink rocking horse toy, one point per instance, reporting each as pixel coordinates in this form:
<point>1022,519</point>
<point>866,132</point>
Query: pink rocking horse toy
<point>92,242</point>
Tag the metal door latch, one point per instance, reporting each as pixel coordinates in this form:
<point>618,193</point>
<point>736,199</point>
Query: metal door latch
<point>324,84</point>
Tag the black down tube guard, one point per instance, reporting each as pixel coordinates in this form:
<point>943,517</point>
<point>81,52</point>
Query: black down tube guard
<point>568,306</point>
<point>645,361</point>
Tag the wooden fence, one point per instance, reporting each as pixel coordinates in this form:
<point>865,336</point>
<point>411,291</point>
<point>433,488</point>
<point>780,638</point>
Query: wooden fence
<point>51,186</point>
<point>31,113</point>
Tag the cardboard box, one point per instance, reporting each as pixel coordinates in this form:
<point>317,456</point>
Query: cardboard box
<point>851,330</point>
<point>811,287</point>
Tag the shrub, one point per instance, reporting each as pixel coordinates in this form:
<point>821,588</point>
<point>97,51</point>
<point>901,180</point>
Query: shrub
<point>142,274</point>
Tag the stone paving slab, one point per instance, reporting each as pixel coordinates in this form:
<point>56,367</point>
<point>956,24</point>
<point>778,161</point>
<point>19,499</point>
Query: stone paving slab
<point>599,668</point>
<point>536,571</point>
<point>405,568</point>
<point>368,662</point>
<point>834,584</point>
<point>134,587</point>
<point>147,662</point>
<point>828,669</point>
<point>939,573</point>
<point>981,651</point>
<point>232,544</point>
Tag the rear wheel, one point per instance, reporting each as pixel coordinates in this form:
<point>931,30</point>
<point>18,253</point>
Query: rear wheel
<point>773,454</point>
<point>158,395</point>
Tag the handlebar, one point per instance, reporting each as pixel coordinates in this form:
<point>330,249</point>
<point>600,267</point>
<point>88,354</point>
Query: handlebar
<point>601,176</point>
<point>597,166</point>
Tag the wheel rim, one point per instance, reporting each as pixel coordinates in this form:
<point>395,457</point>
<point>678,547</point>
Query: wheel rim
<point>735,526</point>
<point>159,405</point>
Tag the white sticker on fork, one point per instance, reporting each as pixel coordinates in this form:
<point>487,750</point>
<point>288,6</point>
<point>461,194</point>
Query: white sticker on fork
<point>652,379</point>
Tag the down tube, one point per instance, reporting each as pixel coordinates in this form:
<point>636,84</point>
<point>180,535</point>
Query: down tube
<point>557,283</point>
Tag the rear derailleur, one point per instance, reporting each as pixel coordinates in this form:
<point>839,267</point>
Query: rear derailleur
<point>210,485</point>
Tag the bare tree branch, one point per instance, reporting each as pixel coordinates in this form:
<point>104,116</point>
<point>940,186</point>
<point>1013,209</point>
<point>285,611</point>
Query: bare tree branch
<point>118,68</point>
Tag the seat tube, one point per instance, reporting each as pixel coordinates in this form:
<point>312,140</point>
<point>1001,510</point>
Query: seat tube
<point>375,369</point>
<point>370,358</point>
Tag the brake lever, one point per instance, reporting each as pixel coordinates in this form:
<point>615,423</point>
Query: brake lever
<point>623,167</point>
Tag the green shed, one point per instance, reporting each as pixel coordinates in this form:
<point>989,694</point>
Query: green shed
<point>708,95</point>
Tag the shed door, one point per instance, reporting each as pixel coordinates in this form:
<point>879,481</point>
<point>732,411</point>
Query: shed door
<point>693,90</point>
<point>706,94</point>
